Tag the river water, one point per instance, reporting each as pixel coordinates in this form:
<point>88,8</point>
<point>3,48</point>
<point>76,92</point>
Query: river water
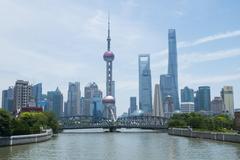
<point>126,145</point>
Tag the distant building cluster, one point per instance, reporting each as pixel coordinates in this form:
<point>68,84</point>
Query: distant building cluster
<point>166,94</point>
<point>24,96</point>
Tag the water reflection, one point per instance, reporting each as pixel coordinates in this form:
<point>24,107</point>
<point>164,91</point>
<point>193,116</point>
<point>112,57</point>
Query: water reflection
<point>129,144</point>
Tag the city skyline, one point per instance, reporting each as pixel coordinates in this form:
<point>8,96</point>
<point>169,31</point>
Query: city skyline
<point>55,63</point>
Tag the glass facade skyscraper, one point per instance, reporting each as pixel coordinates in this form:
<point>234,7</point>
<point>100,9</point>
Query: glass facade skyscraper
<point>55,102</point>
<point>73,102</point>
<point>5,100</point>
<point>203,99</point>
<point>133,105</point>
<point>145,84</point>
<point>167,88</point>
<point>173,65</point>
<point>187,95</point>
<point>92,101</point>
<point>37,93</point>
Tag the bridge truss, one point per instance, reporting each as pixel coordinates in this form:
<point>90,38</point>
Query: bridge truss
<point>87,122</point>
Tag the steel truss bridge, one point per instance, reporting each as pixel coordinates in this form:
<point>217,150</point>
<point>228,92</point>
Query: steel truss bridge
<point>88,122</point>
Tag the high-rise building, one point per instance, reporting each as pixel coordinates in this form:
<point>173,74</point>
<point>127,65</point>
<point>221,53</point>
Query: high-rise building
<point>157,106</point>
<point>173,65</point>
<point>55,102</point>
<point>217,106</point>
<point>109,100</point>
<point>37,93</point>
<point>73,101</point>
<point>166,89</point>
<point>22,94</point>
<point>169,82</point>
<point>65,109</point>
<point>172,53</point>
<point>133,105</point>
<point>187,107</point>
<point>227,96</point>
<point>187,95</point>
<point>145,84</point>
<point>5,100</point>
<point>82,103</point>
<point>168,107</point>
<point>92,101</point>
<point>43,102</point>
<point>203,99</point>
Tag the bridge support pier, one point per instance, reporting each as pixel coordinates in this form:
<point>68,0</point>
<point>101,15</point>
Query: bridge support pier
<point>112,129</point>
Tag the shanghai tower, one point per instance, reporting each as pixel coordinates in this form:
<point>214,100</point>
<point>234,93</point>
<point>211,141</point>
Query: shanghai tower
<point>173,66</point>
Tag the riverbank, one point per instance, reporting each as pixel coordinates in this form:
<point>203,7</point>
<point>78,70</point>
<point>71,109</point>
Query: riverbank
<point>25,139</point>
<point>226,137</point>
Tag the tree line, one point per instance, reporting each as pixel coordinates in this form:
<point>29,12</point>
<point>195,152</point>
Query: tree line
<point>27,123</point>
<point>219,123</point>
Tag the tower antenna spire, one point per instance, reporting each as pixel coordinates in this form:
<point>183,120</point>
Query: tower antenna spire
<point>108,38</point>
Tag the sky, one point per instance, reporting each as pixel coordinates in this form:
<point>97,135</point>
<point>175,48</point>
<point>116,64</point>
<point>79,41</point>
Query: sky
<point>60,41</point>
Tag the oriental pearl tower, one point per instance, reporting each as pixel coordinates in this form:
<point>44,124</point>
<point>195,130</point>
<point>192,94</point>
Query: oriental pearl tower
<point>109,100</point>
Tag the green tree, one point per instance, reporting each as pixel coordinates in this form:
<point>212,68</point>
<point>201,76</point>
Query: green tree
<point>52,121</point>
<point>5,123</point>
<point>34,120</point>
<point>196,120</point>
<point>223,122</point>
<point>19,128</point>
<point>177,123</point>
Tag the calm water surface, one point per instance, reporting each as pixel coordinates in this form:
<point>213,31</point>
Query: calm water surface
<point>127,145</point>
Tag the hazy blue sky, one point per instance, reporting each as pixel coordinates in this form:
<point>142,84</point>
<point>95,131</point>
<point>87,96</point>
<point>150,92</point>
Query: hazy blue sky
<point>57,41</point>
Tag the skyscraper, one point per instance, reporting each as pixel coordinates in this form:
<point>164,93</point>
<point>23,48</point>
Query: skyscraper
<point>55,102</point>
<point>133,105</point>
<point>166,88</point>
<point>187,95</point>
<point>203,99</point>
<point>227,96</point>
<point>173,65</point>
<point>37,93</point>
<point>73,101</point>
<point>22,94</point>
<point>157,106</point>
<point>168,107</point>
<point>92,101</point>
<point>5,100</point>
<point>109,100</point>
<point>145,84</point>
<point>217,106</point>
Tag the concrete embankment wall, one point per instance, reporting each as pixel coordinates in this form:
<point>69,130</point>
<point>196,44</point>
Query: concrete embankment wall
<point>24,139</point>
<point>227,137</point>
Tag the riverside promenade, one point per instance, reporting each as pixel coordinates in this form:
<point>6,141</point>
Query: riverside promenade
<point>226,137</point>
<point>25,139</point>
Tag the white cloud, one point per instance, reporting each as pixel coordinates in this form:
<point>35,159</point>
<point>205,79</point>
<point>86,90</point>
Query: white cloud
<point>190,80</point>
<point>188,59</point>
<point>229,34</point>
<point>180,13</point>
<point>185,60</point>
